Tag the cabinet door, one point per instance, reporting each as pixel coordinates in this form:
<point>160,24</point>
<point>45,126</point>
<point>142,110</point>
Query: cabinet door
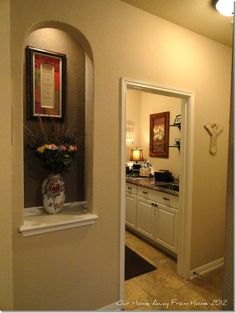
<point>145,217</point>
<point>166,227</point>
<point>131,210</point>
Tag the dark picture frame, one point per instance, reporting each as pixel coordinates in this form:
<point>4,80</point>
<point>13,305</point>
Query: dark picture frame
<point>46,83</point>
<point>159,135</point>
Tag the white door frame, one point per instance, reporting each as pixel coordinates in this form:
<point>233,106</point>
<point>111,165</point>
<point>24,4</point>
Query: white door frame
<point>186,170</point>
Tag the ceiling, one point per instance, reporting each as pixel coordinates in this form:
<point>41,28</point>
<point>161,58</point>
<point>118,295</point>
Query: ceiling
<point>196,15</point>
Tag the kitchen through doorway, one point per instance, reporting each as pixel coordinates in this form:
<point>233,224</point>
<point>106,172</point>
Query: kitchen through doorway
<point>153,143</point>
<point>156,207</point>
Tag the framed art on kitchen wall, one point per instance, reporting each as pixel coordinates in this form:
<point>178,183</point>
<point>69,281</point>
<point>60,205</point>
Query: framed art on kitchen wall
<point>159,135</point>
<point>46,83</point>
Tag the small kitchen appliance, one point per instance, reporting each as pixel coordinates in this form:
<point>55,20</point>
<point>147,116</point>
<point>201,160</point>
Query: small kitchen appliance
<point>163,176</point>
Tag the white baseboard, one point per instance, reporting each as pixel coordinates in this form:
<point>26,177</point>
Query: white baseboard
<point>206,268</point>
<point>113,307</point>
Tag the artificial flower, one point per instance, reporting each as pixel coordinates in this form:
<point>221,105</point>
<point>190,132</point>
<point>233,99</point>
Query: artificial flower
<point>58,151</point>
<point>73,148</point>
<point>62,148</point>
<point>42,148</point>
<point>52,146</point>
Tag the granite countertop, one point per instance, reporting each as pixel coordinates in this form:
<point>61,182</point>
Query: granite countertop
<point>150,183</point>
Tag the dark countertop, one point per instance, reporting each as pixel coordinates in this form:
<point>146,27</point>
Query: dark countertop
<point>150,183</point>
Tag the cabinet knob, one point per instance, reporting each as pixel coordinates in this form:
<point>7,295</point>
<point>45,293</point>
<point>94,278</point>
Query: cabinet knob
<point>129,188</point>
<point>154,204</point>
<point>145,192</point>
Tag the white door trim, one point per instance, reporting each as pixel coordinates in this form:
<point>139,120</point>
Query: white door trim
<point>186,157</point>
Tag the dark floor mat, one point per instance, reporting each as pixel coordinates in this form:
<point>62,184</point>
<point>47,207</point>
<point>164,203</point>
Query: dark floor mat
<point>135,265</point>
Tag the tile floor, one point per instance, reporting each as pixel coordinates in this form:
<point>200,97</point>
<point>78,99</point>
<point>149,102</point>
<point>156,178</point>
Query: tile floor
<point>164,290</point>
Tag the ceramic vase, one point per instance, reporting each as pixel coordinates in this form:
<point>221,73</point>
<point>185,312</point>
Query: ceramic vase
<point>53,193</point>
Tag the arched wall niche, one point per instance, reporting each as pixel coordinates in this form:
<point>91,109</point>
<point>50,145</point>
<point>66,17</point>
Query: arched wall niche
<point>63,38</point>
<point>69,29</point>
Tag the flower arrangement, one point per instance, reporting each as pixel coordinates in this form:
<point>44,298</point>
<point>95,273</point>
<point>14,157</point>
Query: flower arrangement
<point>54,146</point>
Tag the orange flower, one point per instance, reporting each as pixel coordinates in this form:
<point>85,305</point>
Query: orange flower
<point>52,146</point>
<point>73,148</point>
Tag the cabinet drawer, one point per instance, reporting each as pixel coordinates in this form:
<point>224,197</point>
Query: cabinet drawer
<point>131,189</point>
<point>158,196</point>
<point>147,193</point>
<point>169,200</point>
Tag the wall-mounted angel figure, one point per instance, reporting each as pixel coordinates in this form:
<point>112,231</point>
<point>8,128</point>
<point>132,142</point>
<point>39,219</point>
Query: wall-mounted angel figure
<point>214,130</point>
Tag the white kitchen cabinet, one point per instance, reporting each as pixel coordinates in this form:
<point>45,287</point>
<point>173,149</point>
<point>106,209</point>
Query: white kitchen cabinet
<point>154,214</point>
<point>145,217</point>
<point>166,219</point>
<point>131,210</point>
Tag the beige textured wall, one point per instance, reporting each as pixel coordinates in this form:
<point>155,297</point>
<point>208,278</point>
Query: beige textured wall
<point>6,268</point>
<point>68,269</point>
<point>133,119</point>
<point>229,265</point>
<point>34,174</point>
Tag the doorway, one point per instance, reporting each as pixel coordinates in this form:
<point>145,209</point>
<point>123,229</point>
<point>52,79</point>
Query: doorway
<point>186,164</point>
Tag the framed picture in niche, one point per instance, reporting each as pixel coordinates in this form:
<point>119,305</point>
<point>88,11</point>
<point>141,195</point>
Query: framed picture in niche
<point>46,83</point>
<point>159,135</point>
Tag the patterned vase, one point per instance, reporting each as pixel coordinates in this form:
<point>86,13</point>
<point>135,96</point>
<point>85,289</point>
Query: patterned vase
<point>53,192</point>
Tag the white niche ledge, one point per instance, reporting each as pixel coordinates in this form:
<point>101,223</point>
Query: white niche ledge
<point>36,221</point>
